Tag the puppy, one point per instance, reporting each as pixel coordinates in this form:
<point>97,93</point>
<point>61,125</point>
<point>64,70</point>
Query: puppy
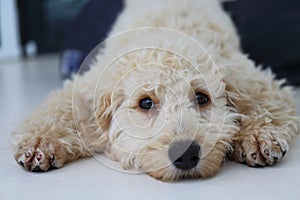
<point>171,94</point>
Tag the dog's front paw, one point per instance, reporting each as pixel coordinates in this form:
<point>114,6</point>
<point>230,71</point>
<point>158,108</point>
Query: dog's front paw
<point>40,154</point>
<point>258,149</point>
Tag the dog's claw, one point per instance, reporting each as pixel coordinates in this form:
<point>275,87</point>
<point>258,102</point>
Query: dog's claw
<point>21,163</point>
<point>37,156</point>
<point>283,153</point>
<point>36,169</point>
<point>27,155</point>
<point>267,149</point>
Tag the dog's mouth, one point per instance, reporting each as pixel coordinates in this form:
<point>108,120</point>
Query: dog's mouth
<point>182,159</point>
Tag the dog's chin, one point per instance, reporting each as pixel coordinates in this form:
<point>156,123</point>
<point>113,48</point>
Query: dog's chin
<point>206,168</point>
<point>171,175</point>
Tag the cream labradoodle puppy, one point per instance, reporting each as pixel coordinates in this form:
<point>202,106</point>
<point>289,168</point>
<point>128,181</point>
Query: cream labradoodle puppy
<point>171,100</point>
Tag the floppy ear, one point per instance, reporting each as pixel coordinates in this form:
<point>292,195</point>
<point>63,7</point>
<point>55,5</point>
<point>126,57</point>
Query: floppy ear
<point>96,137</point>
<point>240,90</point>
<point>104,111</point>
<point>105,108</point>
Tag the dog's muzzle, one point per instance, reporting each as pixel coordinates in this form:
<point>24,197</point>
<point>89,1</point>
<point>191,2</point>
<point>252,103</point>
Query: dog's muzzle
<point>184,155</point>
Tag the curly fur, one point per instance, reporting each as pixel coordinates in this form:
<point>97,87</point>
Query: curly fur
<point>192,46</point>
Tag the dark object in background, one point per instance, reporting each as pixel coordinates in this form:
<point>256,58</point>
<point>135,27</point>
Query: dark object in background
<point>269,30</point>
<point>43,22</point>
<point>270,34</point>
<point>89,29</point>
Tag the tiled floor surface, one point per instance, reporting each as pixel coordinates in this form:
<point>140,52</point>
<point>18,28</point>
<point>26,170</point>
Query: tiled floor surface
<point>23,84</point>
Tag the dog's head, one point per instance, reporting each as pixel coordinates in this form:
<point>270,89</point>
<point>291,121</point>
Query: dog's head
<point>166,117</point>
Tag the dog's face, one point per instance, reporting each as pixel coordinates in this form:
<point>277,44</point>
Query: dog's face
<point>171,123</point>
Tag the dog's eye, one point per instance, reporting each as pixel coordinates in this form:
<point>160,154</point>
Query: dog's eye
<point>201,98</point>
<point>146,103</point>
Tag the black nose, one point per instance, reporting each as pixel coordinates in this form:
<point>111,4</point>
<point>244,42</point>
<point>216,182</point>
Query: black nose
<point>184,154</point>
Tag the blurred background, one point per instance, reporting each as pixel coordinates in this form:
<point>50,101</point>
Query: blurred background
<point>42,42</point>
<point>69,29</point>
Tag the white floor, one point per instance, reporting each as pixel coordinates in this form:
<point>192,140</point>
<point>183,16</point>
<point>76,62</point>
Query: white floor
<point>23,84</point>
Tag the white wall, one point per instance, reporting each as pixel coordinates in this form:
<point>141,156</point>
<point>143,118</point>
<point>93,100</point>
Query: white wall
<point>10,46</point>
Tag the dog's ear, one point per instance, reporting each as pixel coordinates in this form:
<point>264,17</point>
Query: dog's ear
<point>104,111</point>
<point>105,108</point>
<point>237,87</point>
<point>230,96</point>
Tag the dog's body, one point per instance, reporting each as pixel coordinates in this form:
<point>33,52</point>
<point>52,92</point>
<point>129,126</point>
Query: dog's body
<point>171,101</point>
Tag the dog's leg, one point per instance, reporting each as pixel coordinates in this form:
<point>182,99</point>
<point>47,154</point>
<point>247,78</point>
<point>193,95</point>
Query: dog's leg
<point>49,138</point>
<point>268,119</point>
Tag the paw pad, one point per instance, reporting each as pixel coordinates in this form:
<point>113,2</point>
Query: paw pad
<point>27,155</point>
<point>259,149</point>
<point>267,152</point>
<point>254,156</point>
<point>39,156</point>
